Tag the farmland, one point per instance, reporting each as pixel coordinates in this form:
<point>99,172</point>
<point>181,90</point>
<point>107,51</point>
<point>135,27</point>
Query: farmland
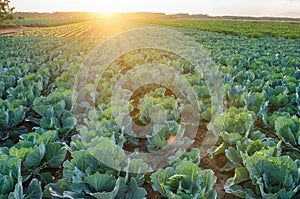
<point>252,29</point>
<point>44,22</point>
<point>60,119</point>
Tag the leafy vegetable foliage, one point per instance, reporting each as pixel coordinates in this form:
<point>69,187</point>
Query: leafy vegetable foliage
<point>185,179</point>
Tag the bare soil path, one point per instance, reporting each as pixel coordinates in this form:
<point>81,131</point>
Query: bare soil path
<point>4,31</point>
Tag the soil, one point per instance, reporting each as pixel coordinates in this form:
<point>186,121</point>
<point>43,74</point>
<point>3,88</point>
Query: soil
<point>151,194</point>
<point>17,29</point>
<point>214,164</point>
<point>206,162</point>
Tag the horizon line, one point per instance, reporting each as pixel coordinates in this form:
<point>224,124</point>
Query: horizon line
<point>165,13</point>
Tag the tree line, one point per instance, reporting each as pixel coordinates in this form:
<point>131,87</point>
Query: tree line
<point>6,11</point>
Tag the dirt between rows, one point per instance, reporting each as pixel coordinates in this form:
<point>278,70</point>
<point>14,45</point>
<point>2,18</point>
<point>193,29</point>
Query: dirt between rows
<point>6,31</point>
<point>214,164</point>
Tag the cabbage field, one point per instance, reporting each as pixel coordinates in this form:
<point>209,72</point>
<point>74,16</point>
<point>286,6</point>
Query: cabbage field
<point>73,125</point>
<point>44,22</point>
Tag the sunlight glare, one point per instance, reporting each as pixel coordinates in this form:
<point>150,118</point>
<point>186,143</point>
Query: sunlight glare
<point>106,7</point>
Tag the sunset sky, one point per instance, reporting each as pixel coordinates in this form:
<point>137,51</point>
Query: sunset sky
<point>212,7</point>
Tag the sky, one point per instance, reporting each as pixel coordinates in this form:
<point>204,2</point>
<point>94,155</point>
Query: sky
<point>290,8</point>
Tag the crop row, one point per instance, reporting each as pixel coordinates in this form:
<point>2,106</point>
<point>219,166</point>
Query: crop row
<point>51,147</point>
<point>71,30</point>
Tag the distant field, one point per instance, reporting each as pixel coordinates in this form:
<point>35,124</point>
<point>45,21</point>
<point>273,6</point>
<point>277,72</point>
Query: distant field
<point>41,22</point>
<point>251,29</point>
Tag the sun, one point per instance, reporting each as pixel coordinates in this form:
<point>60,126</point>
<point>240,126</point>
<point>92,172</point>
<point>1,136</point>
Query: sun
<point>105,7</point>
<point>117,6</point>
